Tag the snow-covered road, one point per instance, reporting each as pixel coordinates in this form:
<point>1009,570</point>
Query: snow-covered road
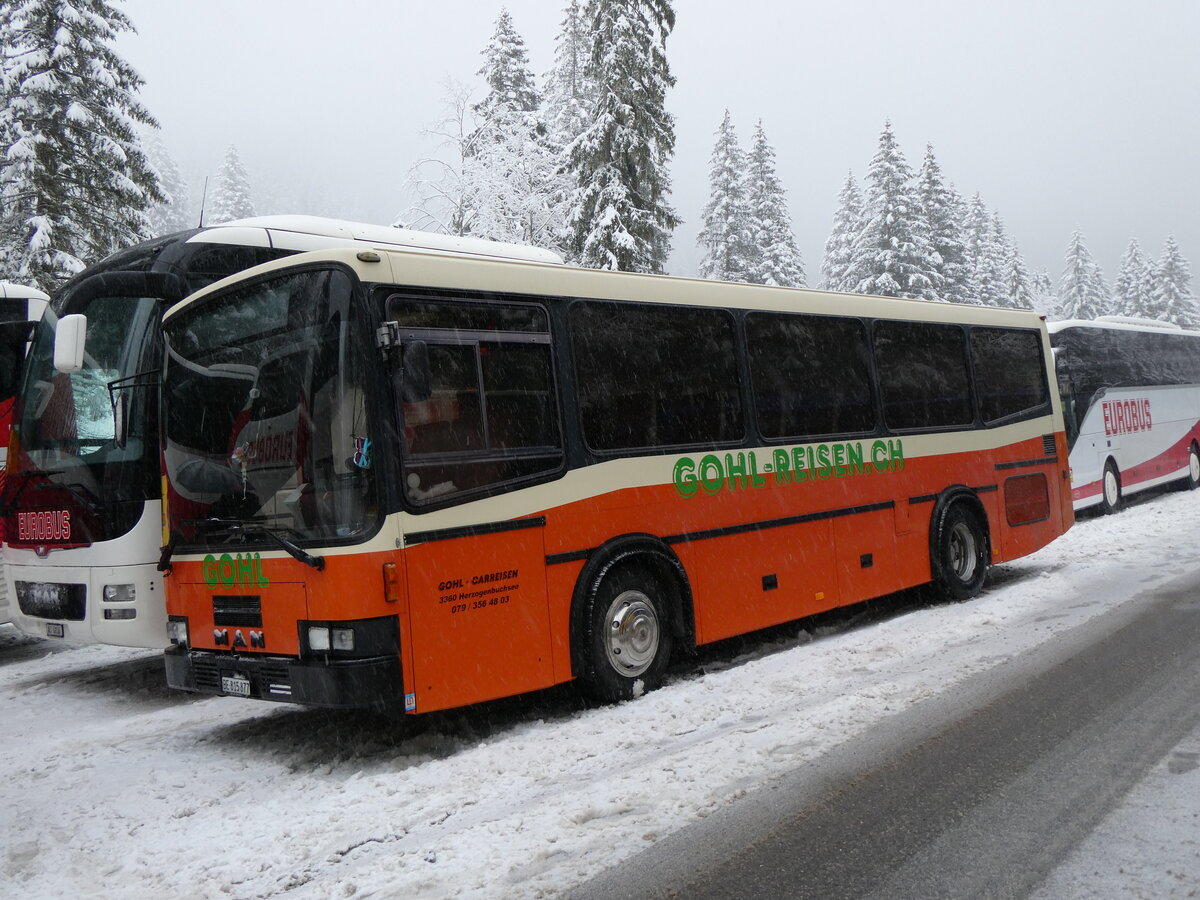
<point>112,786</point>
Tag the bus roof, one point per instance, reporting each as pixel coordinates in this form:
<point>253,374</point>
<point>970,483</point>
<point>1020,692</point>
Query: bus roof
<point>317,233</point>
<point>1122,323</point>
<point>516,277</point>
<point>10,291</point>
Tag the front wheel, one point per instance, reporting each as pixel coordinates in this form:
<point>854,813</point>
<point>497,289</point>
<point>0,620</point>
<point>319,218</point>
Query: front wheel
<point>627,638</point>
<point>1110,489</point>
<point>960,553</point>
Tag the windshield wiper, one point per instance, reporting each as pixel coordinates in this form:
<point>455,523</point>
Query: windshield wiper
<point>240,529</point>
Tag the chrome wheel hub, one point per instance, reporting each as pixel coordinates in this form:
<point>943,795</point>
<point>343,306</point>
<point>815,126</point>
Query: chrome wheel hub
<point>632,633</point>
<point>962,551</point>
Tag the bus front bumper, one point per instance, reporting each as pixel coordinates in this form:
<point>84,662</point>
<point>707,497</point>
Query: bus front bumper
<point>370,683</point>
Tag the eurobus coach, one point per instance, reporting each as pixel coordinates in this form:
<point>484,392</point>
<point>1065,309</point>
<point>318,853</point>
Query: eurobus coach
<point>20,308</point>
<point>405,478</point>
<point>83,501</point>
<point>1131,395</point>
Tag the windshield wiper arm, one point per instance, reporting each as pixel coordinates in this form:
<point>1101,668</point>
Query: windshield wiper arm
<point>238,528</point>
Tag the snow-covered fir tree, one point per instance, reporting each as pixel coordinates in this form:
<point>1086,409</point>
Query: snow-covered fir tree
<point>1045,301</point>
<point>1173,300</point>
<point>230,197</point>
<point>1019,291</point>
<point>511,173</point>
<point>568,99</point>
<point>1133,291</point>
<point>620,216</point>
<point>839,246</point>
<point>725,235</point>
<point>441,185</point>
<point>75,184</point>
<point>174,213</point>
<point>1082,293</point>
<point>775,258</point>
<point>510,83</point>
<point>892,256</point>
<point>983,255</point>
<point>940,206</point>
<point>569,95</point>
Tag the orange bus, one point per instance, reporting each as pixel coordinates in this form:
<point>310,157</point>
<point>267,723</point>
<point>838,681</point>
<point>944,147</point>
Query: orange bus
<point>400,478</point>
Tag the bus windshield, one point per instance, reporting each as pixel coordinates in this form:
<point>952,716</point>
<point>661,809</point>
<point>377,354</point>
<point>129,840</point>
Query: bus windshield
<point>68,456</point>
<point>268,430</point>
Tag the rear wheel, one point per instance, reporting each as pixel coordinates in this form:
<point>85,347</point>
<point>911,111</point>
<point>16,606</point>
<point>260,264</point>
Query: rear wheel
<point>960,553</point>
<point>1192,480</point>
<point>1110,489</point>
<point>627,638</point>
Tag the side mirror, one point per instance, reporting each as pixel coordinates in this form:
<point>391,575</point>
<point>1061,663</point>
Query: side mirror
<point>69,336</point>
<point>417,383</point>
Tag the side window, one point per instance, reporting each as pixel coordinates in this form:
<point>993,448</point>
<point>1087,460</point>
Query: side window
<point>810,375</point>
<point>655,376</point>
<point>491,415</point>
<point>1010,373</point>
<point>923,375</point>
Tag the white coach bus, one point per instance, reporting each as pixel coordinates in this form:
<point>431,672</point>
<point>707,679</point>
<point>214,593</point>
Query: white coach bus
<point>1131,401</point>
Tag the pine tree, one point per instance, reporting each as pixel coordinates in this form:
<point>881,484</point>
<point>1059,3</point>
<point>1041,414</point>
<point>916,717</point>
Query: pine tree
<point>1045,301</point>
<point>231,198</point>
<point>75,184</point>
<point>1000,251</point>
<point>568,100</point>
<point>939,206</point>
<point>1173,300</point>
<point>511,174</point>
<point>174,213</point>
<point>569,95</point>
<point>775,258</point>
<point>1019,289</point>
<point>620,218</point>
<point>1081,289</point>
<point>1133,291</point>
<point>839,246</point>
<point>981,254</point>
<point>725,236</point>
<point>892,256</point>
<point>510,82</point>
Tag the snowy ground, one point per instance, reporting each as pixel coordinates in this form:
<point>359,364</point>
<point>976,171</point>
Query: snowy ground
<point>112,786</point>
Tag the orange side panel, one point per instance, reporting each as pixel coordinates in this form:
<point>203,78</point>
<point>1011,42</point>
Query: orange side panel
<point>480,628</point>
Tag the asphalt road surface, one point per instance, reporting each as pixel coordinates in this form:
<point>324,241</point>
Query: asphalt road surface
<point>980,792</point>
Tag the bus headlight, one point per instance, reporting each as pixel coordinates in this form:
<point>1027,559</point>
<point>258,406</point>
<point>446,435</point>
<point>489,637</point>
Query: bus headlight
<point>318,638</point>
<point>343,638</point>
<point>119,593</point>
<point>177,631</point>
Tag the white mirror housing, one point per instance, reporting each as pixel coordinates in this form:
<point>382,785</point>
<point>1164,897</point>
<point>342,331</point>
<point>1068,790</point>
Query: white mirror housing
<point>69,336</point>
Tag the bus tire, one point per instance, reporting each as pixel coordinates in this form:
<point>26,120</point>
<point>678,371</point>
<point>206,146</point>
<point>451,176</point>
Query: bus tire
<point>1110,489</point>
<point>627,635</point>
<point>1192,479</point>
<point>961,552</point>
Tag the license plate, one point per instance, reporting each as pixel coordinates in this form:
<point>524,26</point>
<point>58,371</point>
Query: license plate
<point>55,629</point>
<point>235,685</point>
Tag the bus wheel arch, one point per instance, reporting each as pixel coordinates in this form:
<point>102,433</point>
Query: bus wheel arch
<point>959,544</point>
<point>631,608</point>
<point>1110,487</point>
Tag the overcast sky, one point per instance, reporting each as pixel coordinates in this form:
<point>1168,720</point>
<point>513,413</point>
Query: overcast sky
<point>1062,114</point>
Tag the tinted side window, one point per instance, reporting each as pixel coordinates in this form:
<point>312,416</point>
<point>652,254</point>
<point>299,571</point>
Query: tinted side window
<point>923,375</point>
<point>653,376</point>
<point>810,375</point>
<point>1010,373</point>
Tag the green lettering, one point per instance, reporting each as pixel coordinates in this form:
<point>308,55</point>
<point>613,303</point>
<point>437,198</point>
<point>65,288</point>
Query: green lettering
<point>854,453</point>
<point>783,471</point>
<point>209,568</point>
<point>712,478</point>
<point>736,470</point>
<point>684,477</point>
<point>225,569</point>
